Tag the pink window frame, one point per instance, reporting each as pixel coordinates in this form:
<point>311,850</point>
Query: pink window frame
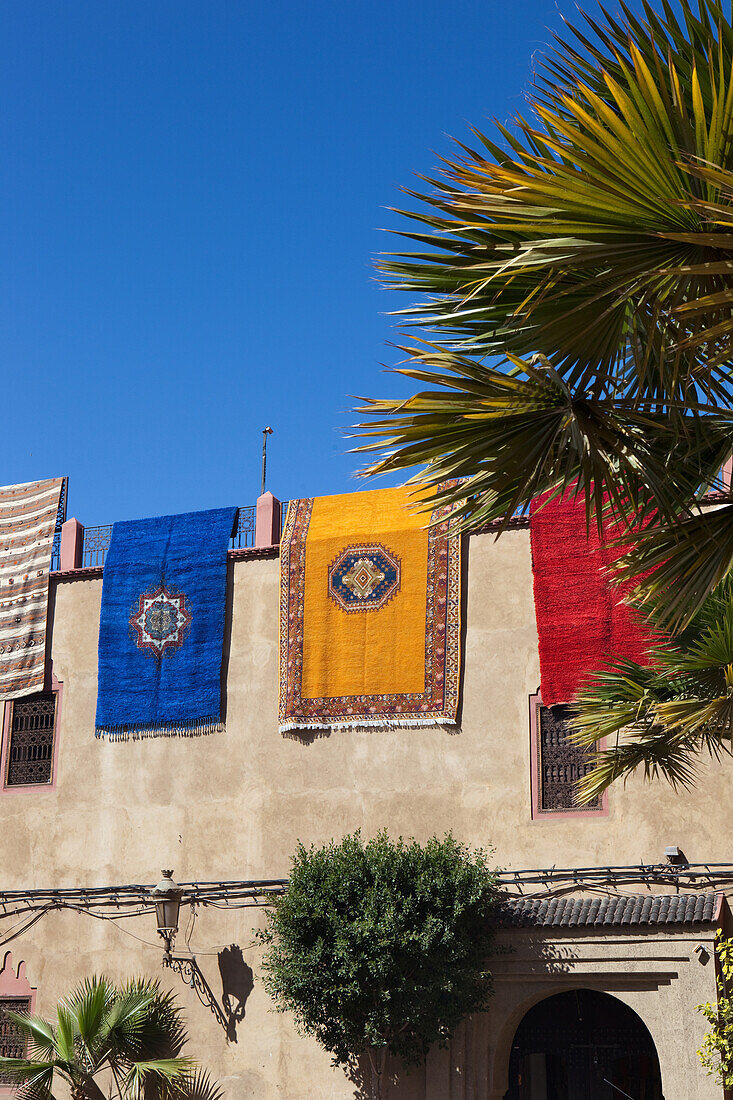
<point>57,688</point>
<point>538,814</point>
<point>14,983</point>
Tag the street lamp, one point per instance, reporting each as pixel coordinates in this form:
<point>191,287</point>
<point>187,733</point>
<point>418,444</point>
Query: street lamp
<point>167,897</point>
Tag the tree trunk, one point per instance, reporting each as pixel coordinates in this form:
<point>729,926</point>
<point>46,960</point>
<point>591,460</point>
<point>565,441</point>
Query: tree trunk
<point>377,1061</point>
<point>87,1089</point>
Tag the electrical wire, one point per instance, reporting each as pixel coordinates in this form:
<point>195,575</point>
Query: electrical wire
<point>190,927</point>
<point>21,927</point>
<point>28,924</point>
<point>119,903</point>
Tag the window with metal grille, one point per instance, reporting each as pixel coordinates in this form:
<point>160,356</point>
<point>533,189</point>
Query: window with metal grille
<point>31,740</point>
<point>558,763</point>
<point>12,1040</point>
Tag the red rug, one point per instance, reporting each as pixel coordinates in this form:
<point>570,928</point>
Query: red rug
<point>581,622</point>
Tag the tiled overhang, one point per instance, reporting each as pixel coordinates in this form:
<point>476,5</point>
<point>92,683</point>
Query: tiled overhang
<point>650,910</point>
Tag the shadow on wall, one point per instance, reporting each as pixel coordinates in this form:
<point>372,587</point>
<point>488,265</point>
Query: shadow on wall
<point>359,1073</point>
<point>227,644</point>
<point>454,1069</point>
<point>237,982</point>
<point>308,737</point>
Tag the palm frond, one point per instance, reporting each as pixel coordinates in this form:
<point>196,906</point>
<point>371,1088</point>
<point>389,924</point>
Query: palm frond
<point>31,1080</point>
<point>512,436</point>
<point>89,1005</point>
<point>674,759</point>
<point>162,1032</point>
<point>681,562</point>
<point>37,1030</point>
<point>160,1072</point>
<point>662,717</point>
<point>124,1022</point>
<point>196,1086</point>
<point>66,1034</point>
<point>573,276</point>
<point>24,1069</point>
<point>37,1088</point>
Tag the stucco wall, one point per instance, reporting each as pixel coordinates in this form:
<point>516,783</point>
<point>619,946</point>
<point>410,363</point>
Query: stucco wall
<point>234,804</point>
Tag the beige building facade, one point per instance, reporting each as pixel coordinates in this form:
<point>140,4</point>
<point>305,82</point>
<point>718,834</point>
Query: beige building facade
<point>233,805</point>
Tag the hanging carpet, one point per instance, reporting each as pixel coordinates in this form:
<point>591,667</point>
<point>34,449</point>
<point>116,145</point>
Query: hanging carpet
<point>29,516</point>
<point>161,631</point>
<point>582,621</point>
<point>370,613</point>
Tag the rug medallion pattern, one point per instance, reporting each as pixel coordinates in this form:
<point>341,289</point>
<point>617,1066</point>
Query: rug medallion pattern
<point>159,621</point>
<point>364,578</point>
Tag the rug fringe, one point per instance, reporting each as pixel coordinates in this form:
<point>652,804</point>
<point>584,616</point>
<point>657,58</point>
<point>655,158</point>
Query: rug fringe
<point>200,727</point>
<point>365,723</point>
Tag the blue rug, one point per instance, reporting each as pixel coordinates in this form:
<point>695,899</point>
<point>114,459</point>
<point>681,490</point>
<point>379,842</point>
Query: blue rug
<point>161,630</point>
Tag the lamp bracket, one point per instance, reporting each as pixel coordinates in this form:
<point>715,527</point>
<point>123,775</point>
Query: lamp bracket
<point>188,969</point>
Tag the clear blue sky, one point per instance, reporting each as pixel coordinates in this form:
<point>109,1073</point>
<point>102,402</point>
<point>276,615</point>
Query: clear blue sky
<point>192,195</point>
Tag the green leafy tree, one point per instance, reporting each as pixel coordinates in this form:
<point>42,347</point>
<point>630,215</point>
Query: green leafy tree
<point>716,1052</point>
<point>665,716</point>
<point>572,280</point>
<point>382,946</point>
<point>126,1040</point>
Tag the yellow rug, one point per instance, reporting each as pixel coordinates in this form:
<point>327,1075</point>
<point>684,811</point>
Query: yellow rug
<point>370,613</point>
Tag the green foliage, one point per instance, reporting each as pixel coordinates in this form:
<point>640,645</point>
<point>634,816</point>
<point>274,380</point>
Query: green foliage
<point>382,945</point>
<point>132,1034</point>
<point>663,716</point>
<point>587,251</point>
<point>716,1052</point>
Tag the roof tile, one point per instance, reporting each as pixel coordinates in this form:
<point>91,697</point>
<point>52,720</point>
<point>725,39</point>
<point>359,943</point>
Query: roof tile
<point>616,912</point>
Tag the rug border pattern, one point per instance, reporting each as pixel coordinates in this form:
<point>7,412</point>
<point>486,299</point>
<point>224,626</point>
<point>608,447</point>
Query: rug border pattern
<point>438,704</point>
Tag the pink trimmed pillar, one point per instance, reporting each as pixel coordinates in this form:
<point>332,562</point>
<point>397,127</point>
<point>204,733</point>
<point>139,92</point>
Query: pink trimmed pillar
<point>267,520</point>
<point>72,545</point>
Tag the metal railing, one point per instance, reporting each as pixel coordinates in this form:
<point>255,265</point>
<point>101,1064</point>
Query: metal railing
<point>245,533</point>
<point>56,552</point>
<point>97,539</point>
<point>60,519</point>
<point>96,545</point>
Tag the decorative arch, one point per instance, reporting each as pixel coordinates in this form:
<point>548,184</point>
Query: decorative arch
<point>14,983</point>
<point>14,986</point>
<point>581,1038</point>
<point>506,1030</point>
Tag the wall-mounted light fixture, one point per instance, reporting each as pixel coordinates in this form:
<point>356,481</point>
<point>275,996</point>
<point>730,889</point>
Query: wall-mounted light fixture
<point>167,897</point>
<point>676,856</point>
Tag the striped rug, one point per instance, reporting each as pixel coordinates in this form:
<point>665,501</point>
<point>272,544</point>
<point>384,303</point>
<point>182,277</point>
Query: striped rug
<point>28,515</point>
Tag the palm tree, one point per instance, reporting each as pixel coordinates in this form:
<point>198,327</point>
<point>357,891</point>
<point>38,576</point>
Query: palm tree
<point>130,1037</point>
<point>662,717</point>
<point>572,277</point>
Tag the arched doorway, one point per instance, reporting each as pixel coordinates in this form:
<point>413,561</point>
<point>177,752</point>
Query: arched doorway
<point>583,1045</point>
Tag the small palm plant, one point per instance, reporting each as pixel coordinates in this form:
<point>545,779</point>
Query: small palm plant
<point>122,1042</point>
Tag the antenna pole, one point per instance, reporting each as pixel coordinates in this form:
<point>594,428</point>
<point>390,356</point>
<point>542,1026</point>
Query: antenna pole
<point>265,432</point>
